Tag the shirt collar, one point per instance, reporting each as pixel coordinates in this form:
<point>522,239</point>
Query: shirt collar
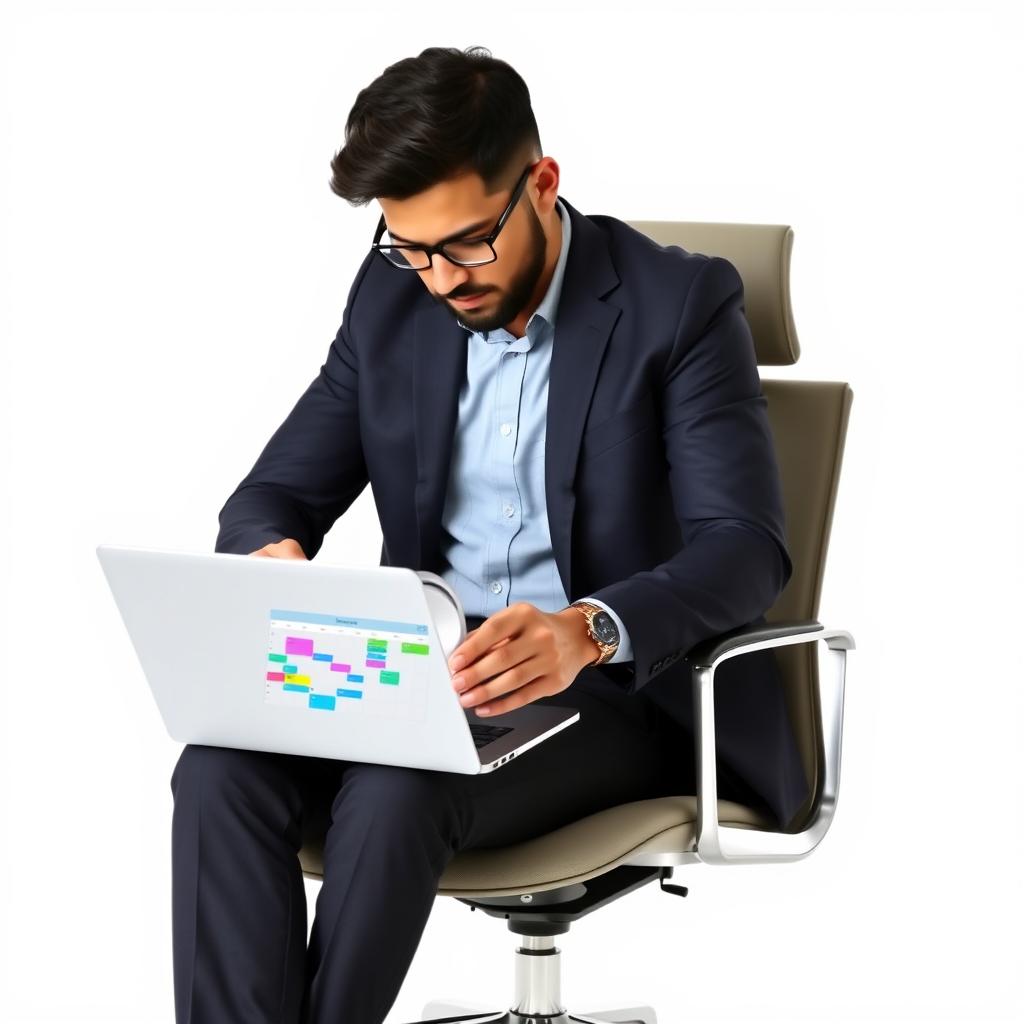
<point>548,308</point>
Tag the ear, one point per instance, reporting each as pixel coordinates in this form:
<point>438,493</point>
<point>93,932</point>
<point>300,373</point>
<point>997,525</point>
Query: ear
<point>543,184</point>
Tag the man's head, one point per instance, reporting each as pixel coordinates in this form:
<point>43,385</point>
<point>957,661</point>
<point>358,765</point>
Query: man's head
<point>441,141</point>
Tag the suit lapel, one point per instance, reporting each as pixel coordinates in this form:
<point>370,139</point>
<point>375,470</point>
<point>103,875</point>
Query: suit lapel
<point>439,369</point>
<point>583,326</point>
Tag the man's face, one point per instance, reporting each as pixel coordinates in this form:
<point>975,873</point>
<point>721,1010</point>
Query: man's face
<point>497,291</point>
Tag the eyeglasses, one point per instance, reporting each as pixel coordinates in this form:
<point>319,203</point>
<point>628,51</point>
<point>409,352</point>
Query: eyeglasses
<point>471,252</point>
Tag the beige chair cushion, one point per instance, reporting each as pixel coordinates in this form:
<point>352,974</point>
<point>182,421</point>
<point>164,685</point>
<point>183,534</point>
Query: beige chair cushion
<point>574,852</point>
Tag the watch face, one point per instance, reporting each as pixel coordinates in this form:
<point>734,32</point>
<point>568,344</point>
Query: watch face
<point>604,628</point>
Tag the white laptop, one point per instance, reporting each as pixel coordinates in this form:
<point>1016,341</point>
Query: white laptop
<point>308,658</point>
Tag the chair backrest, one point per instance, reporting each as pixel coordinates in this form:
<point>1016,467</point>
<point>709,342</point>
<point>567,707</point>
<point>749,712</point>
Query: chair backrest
<point>809,420</point>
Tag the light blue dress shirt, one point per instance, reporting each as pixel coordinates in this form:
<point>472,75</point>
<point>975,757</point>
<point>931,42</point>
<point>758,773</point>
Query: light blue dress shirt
<point>495,535</point>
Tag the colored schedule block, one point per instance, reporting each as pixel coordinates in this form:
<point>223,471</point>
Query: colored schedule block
<point>297,680</point>
<point>298,645</point>
<point>357,694</point>
<point>374,663</point>
<point>296,688</point>
<point>323,657</point>
<point>290,669</point>
<point>354,678</point>
<point>321,700</point>
<point>408,648</point>
<point>391,678</point>
<point>339,666</point>
<point>276,677</point>
<point>377,645</point>
<point>278,657</point>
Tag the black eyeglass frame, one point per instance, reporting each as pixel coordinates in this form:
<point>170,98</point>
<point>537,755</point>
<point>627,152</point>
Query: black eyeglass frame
<point>429,250</point>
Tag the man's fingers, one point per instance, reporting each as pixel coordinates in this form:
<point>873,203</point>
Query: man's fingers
<point>512,679</point>
<point>488,666</point>
<point>491,633</point>
<point>516,699</point>
<point>475,643</point>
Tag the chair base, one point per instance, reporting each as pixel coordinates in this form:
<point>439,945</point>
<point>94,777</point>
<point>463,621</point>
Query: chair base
<point>538,995</point>
<point>537,918</point>
<point>472,1015</point>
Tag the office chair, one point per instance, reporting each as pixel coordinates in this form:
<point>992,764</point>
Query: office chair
<point>542,885</point>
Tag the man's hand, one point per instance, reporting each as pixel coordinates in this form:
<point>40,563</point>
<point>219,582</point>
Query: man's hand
<point>287,548</point>
<point>519,654</point>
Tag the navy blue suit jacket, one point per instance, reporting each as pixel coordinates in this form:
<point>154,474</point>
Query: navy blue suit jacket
<point>662,487</point>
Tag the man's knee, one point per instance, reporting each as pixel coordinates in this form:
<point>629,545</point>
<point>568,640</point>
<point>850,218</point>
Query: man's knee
<point>227,772</point>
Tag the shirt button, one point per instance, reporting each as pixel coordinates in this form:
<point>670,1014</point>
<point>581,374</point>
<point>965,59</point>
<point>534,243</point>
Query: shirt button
<point>509,511</point>
<point>495,587</point>
<point>506,429</point>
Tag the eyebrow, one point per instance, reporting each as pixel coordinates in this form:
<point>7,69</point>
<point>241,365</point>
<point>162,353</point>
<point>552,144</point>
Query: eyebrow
<point>478,226</point>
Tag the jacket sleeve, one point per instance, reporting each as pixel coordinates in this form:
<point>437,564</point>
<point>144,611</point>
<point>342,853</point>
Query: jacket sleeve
<point>312,468</point>
<point>725,486</point>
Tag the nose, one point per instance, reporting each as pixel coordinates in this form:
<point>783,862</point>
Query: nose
<point>446,276</point>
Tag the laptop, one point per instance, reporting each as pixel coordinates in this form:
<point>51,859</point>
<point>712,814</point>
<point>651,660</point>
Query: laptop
<point>302,657</point>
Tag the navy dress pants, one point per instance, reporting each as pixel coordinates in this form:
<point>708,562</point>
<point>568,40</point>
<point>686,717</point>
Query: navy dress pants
<point>240,817</point>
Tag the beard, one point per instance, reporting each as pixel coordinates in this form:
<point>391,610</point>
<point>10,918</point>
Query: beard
<point>515,296</point>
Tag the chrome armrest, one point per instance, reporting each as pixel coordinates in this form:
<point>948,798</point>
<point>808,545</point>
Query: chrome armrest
<point>722,844</point>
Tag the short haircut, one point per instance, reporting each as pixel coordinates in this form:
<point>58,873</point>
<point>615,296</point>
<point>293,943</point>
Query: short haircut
<point>429,118</point>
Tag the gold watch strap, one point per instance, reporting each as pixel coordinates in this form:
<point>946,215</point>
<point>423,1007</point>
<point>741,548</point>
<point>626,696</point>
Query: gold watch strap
<point>588,611</point>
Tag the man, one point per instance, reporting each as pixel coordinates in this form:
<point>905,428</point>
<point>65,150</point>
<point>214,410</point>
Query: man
<point>550,408</point>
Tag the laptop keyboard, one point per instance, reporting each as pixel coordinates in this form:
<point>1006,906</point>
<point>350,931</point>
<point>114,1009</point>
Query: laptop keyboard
<point>484,734</point>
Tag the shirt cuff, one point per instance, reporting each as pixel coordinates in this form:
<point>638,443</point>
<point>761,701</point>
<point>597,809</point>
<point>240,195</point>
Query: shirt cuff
<point>624,652</point>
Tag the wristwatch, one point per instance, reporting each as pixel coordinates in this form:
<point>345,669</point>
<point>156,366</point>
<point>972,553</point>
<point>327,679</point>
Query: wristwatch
<point>602,629</point>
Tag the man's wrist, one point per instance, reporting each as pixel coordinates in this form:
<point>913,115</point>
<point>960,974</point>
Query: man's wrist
<point>589,652</point>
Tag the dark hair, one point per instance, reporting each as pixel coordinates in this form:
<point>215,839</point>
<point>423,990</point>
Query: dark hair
<point>428,118</point>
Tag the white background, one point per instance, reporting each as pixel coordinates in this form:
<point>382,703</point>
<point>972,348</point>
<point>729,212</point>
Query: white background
<point>174,269</point>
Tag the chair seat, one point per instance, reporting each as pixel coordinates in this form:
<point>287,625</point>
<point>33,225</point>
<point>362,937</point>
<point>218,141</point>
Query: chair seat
<point>575,852</point>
